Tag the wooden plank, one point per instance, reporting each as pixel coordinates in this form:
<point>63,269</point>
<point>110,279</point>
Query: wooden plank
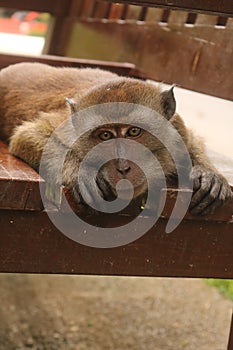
<point>101,10</point>
<point>29,242</point>
<point>19,190</point>
<point>223,7</point>
<point>127,69</point>
<point>19,183</point>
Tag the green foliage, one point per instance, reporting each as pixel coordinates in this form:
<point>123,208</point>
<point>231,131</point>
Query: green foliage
<point>224,286</point>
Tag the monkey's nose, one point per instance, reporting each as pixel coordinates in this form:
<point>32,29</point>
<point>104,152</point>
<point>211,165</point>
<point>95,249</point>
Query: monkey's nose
<point>123,166</point>
<point>124,171</point>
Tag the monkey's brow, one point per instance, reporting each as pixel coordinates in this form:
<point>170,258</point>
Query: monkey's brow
<point>116,125</point>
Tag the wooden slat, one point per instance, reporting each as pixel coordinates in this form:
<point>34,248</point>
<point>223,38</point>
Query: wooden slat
<point>19,183</point>
<point>223,7</point>
<point>127,69</point>
<point>29,242</point>
<point>154,14</point>
<point>101,10</point>
<point>133,13</point>
<point>221,21</point>
<point>87,8</point>
<point>191,18</point>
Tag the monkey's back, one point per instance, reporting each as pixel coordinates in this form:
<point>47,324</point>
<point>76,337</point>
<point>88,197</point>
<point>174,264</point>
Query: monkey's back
<point>29,88</point>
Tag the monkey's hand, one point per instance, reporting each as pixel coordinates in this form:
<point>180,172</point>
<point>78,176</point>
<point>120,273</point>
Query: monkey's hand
<point>210,189</point>
<point>93,193</point>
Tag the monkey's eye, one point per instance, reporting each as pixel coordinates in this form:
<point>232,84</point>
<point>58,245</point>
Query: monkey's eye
<point>105,135</point>
<point>134,131</point>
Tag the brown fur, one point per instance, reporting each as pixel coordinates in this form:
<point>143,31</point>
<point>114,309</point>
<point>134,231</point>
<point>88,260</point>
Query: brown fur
<point>32,106</point>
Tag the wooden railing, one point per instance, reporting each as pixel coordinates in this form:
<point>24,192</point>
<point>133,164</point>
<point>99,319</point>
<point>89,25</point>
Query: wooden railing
<point>183,47</point>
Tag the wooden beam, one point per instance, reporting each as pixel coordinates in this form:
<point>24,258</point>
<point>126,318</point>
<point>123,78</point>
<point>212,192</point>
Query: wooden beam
<point>126,69</point>
<point>30,243</point>
<point>214,7</point>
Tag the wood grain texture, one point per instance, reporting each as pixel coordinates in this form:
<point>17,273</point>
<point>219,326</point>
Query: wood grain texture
<point>126,69</point>
<point>30,243</point>
<point>19,183</point>
<point>19,190</point>
<point>223,7</point>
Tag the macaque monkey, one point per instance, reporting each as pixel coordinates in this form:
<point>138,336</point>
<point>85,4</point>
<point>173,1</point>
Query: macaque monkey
<point>36,98</point>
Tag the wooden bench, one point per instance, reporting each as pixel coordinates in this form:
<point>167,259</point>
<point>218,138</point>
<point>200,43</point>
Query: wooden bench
<point>199,247</point>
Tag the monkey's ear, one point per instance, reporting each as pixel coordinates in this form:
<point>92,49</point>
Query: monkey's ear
<point>72,104</point>
<point>168,102</point>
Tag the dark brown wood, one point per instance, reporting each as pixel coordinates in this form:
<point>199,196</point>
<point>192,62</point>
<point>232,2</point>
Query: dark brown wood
<point>191,18</point>
<point>165,16</point>
<point>221,21</point>
<point>30,243</point>
<point>19,183</point>
<point>101,9</point>
<point>19,188</point>
<point>127,69</point>
<point>230,342</point>
<point>184,55</point>
<point>217,7</point>
<point>223,7</point>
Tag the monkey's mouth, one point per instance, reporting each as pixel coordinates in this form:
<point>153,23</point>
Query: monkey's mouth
<point>124,192</point>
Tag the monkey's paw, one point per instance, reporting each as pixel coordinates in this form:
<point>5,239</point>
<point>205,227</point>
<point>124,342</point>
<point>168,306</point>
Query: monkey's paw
<point>210,189</point>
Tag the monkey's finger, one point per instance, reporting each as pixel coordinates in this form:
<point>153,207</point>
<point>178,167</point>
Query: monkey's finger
<point>195,176</point>
<point>225,194</point>
<point>210,201</point>
<point>76,194</point>
<point>201,192</point>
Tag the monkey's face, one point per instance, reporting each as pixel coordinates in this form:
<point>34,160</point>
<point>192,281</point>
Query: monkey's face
<point>120,166</point>
<point>122,154</point>
<point>121,125</point>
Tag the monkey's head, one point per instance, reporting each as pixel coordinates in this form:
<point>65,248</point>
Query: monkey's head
<point>109,112</point>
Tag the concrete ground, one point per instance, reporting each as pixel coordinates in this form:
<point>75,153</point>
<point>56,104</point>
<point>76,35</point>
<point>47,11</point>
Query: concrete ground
<point>110,313</point>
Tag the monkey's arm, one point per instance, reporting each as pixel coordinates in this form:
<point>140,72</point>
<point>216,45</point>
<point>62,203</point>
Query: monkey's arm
<point>28,141</point>
<point>210,187</point>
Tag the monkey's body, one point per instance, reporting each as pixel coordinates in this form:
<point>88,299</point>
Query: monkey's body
<point>33,104</point>
<point>29,88</point>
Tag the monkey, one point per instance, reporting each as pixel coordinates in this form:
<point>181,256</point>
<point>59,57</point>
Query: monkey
<point>37,99</point>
